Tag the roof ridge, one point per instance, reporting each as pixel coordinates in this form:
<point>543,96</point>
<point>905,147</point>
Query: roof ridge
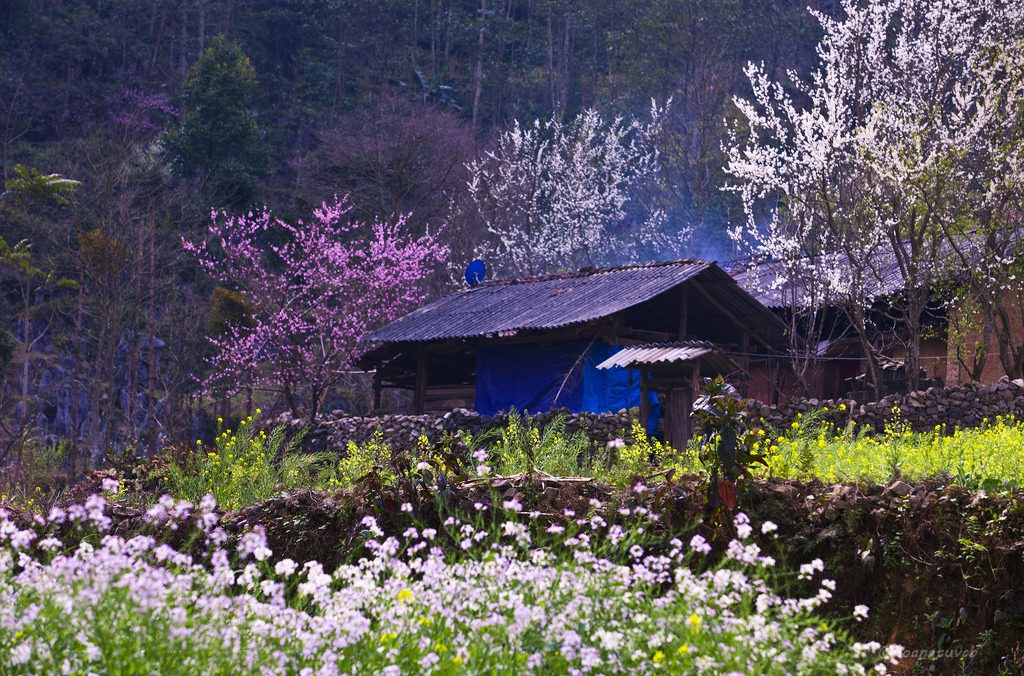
<point>587,271</point>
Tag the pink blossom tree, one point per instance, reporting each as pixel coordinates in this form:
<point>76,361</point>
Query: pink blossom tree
<point>312,290</point>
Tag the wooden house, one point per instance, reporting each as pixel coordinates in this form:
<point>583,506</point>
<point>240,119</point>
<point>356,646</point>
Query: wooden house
<point>591,340</point>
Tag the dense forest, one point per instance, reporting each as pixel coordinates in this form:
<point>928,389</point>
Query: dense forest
<point>124,124</point>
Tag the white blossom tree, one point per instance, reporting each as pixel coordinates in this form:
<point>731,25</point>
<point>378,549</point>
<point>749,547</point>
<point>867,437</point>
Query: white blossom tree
<point>870,158</point>
<point>985,234</point>
<point>554,196</point>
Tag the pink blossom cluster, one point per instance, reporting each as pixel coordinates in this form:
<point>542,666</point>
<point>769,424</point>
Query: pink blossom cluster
<point>314,289</point>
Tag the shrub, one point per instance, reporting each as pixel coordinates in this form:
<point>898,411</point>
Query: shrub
<point>246,466</point>
<point>988,457</point>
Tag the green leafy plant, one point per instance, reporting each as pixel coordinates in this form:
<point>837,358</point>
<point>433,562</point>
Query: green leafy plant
<point>830,454</point>
<point>522,446</point>
<point>726,440</point>
<point>245,467</point>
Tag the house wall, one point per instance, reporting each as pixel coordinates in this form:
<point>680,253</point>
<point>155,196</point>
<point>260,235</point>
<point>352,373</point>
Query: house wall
<point>934,359</point>
<point>956,373</point>
<point>762,383</point>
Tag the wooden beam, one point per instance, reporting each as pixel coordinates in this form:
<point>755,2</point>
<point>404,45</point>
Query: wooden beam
<point>378,386</point>
<point>684,298</point>
<point>728,313</point>
<point>421,380</point>
<point>645,404</point>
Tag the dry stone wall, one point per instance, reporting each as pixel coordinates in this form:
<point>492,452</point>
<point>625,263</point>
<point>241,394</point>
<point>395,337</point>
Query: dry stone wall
<point>401,431</point>
<point>964,406</point>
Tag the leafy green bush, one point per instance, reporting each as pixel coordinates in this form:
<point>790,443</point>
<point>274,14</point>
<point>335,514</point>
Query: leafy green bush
<point>361,458</point>
<point>522,446</point>
<point>246,467</point>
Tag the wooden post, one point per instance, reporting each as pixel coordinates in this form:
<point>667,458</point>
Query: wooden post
<point>696,384</point>
<point>378,383</point>
<point>421,380</point>
<point>677,422</point>
<point>645,404</point>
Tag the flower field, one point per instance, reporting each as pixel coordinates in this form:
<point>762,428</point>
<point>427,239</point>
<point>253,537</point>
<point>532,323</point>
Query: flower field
<point>458,599</point>
<point>523,551</point>
<point>989,457</point>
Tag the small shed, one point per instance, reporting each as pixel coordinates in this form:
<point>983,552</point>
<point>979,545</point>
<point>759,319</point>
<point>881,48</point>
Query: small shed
<point>676,370</point>
<point>544,342</point>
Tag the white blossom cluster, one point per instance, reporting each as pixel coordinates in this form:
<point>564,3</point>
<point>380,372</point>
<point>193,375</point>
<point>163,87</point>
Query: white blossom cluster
<point>903,141</point>
<point>556,196</point>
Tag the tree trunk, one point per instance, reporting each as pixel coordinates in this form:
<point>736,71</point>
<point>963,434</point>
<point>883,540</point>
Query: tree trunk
<point>874,376</point>
<point>912,364</point>
<point>478,71</point>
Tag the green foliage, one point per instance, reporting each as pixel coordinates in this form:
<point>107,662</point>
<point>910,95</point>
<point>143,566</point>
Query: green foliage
<point>360,459</point>
<point>523,447</point>
<point>8,344</point>
<point>724,433</point>
<point>33,483</point>
<point>244,469</point>
<point>726,440</point>
<point>989,457</point>
<point>228,308</point>
<point>638,454</point>
<point>217,137</point>
<point>29,183</point>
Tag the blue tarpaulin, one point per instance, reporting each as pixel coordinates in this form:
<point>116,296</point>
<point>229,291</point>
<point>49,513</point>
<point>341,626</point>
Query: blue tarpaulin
<point>528,378</point>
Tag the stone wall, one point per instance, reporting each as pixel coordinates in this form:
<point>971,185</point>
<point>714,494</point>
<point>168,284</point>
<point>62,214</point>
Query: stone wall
<point>401,431</point>
<point>964,406</point>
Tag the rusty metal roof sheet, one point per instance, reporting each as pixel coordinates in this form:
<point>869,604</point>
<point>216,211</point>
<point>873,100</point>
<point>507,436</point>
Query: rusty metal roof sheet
<point>648,354</point>
<point>504,307</point>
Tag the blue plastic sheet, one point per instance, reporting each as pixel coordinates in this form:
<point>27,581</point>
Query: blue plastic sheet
<point>528,378</point>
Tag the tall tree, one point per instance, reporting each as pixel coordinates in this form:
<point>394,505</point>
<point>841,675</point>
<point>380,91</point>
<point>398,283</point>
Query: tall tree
<point>34,285</point>
<point>556,196</point>
<point>217,138</point>
<point>865,158</point>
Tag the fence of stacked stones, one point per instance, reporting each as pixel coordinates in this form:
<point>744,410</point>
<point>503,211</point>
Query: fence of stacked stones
<point>964,406</point>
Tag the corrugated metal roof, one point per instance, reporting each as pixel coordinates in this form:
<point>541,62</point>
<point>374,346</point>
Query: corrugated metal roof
<point>503,307</point>
<point>766,280</point>
<point>652,353</point>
